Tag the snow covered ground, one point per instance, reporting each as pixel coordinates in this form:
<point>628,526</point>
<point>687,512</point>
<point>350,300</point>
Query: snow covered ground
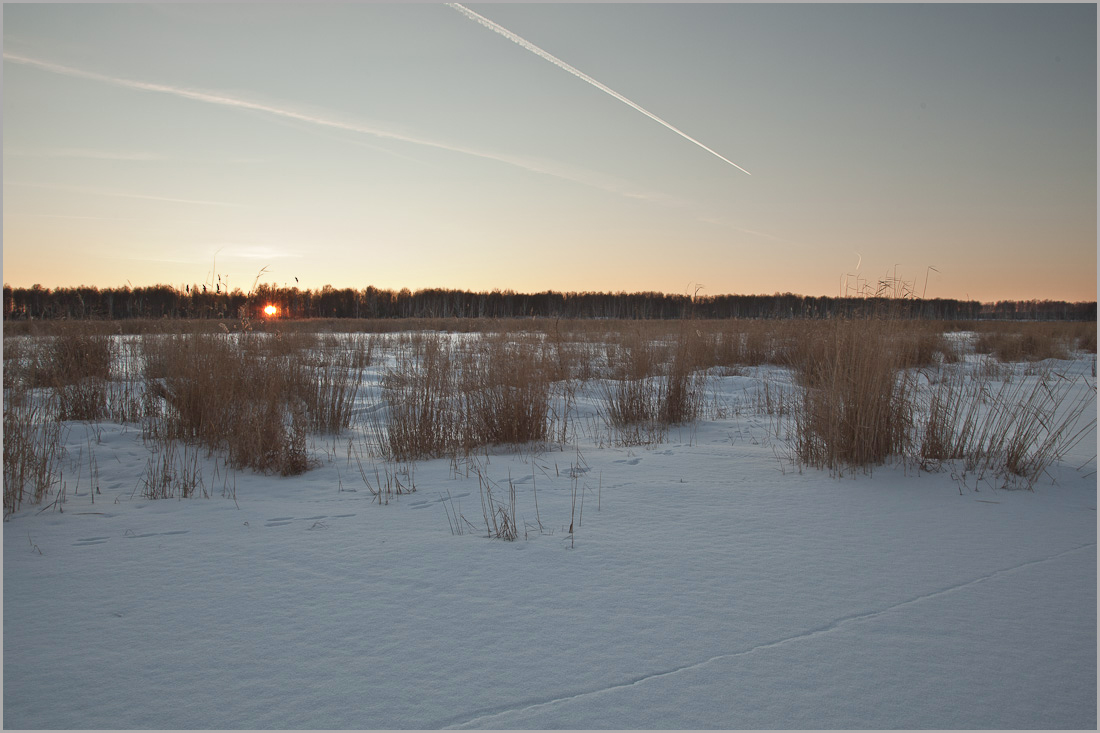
<point>709,583</point>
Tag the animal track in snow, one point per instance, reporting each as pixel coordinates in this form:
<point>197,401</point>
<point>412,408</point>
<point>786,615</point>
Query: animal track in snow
<point>425,503</point>
<point>131,536</point>
<point>283,521</point>
<point>476,720</point>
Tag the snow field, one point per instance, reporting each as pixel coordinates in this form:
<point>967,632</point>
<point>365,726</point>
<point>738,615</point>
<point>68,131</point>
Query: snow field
<point>710,583</point>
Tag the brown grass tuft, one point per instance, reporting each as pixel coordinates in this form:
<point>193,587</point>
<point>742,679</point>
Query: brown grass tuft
<point>855,408</point>
<point>32,451</point>
<point>230,396</point>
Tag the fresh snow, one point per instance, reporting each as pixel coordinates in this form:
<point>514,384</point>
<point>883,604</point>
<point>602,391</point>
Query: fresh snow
<point>710,583</point>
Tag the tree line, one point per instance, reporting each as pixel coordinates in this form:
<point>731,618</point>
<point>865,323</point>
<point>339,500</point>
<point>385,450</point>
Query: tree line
<point>166,301</point>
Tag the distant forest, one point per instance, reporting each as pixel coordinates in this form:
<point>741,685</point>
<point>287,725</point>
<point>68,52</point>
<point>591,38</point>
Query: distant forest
<point>165,301</point>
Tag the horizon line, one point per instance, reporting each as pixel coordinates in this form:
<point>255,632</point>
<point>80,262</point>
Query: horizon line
<point>297,287</point>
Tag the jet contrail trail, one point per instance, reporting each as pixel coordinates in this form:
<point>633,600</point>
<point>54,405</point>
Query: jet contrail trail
<point>581,75</point>
<point>212,98</point>
<point>535,166</point>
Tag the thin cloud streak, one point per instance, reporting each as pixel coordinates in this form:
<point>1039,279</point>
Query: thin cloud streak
<point>117,194</point>
<point>581,75</point>
<point>253,252</point>
<point>227,101</point>
<point>98,218</point>
<point>730,225</point>
<point>85,154</point>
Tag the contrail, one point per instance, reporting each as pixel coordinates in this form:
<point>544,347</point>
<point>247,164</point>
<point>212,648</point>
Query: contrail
<point>212,98</point>
<point>534,166</point>
<point>581,75</point>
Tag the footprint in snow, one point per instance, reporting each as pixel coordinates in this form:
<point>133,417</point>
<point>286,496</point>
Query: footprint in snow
<point>283,521</point>
<point>85,541</point>
<point>425,503</point>
<point>132,536</point>
<point>631,462</point>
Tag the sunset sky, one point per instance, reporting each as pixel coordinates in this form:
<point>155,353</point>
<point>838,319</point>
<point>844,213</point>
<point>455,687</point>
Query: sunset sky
<point>414,146</point>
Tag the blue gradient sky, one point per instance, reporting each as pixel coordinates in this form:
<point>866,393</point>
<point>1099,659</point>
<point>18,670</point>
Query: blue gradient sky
<point>409,146</point>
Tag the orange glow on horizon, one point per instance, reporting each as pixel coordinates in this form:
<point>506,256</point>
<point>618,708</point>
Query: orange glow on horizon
<point>270,311</point>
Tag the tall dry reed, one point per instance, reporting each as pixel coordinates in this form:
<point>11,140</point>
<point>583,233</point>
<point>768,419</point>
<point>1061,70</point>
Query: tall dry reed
<point>421,391</point>
<point>855,408</point>
<point>32,451</point>
<point>232,395</point>
<point>1010,428</point>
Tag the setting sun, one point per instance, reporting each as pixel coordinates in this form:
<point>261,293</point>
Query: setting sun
<point>270,310</point>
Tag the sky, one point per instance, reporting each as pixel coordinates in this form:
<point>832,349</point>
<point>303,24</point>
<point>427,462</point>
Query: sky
<point>718,148</point>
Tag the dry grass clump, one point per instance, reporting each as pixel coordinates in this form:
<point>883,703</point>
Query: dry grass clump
<point>1012,428</point>
<point>755,344</point>
<point>683,385</point>
<point>395,483</point>
<point>1084,337</point>
<point>329,383</point>
<point>1024,341</point>
<point>633,354</point>
<point>76,357</point>
<point>85,400</point>
<point>16,355</point>
<point>923,344</point>
<point>75,365</point>
<point>103,327</point>
<point>506,395</point>
<point>45,382</point>
<point>89,372</point>
<point>575,361</point>
<point>32,451</point>
<point>420,390</point>
<point>631,395</point>
<point>737,343</point>
<point>573,356</point>
<point>447,397</point>
<point>950,421</point>
<point>292,342</point>
<point>234,396</point>
<point>173,472</point>
<point>655,384</point>
<point>856,409</point>
<point>630,401</point>
<point>499,515</point>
